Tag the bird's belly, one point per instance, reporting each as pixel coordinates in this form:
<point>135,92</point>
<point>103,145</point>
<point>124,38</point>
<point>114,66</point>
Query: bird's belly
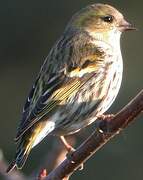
<point>93,99</point>
<point>76,113</point>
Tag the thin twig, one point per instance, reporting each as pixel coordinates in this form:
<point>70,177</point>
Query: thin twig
<point>109,128</point>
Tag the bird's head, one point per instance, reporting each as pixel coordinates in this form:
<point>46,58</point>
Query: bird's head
<point>100,19</point>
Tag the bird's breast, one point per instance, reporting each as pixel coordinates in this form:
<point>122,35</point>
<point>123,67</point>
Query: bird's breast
<point>111,83</point>
<point>103,86</point>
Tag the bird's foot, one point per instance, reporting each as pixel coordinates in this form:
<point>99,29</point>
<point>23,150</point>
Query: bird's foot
<point>69,156</point>
<point>68,147</point>
<point>106,117</point>
<point>104,124</point>
<point>70,151</point>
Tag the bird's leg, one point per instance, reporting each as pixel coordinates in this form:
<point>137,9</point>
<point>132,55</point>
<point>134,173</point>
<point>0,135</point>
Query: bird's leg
<point>68,147</point>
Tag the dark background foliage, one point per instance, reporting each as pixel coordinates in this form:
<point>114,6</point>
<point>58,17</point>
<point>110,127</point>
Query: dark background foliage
<point>28,29</point>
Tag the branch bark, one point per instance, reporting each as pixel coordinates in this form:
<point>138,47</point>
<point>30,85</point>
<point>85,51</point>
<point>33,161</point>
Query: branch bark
<point>107,130</point>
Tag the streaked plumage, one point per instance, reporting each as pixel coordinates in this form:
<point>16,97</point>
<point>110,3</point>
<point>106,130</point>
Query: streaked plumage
<point>79,79</point>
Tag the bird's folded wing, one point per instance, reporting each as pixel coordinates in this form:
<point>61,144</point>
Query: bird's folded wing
<point>52,89</point>
<point>47,102</point>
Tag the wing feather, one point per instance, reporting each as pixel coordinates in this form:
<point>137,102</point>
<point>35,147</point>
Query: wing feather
<point>56,99</point>
<point>38,102</point>
<point>59,79</point>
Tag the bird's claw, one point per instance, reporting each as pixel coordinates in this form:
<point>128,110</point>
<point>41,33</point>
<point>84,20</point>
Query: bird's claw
<point>69,155</point>
<point>105,116</point>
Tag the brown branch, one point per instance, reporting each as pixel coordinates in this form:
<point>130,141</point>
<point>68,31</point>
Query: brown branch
<point>109,128</point>
<point>55,157</point>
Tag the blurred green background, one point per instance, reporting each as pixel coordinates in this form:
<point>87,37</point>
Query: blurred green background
<point>28,29</point>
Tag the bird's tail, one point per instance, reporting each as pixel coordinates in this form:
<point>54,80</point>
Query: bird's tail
<point>28,140</point>
<point>22,153</point>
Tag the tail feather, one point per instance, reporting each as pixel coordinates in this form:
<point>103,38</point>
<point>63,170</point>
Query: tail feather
<point>19,160</point>
<point>27,142</point>
<point>11,166</point>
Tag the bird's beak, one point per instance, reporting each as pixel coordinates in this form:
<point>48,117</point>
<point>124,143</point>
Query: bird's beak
<point>126,26</point>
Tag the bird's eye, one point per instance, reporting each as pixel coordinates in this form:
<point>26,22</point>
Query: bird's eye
<point>108,19</point>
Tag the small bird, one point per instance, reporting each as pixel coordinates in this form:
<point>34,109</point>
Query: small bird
<point>79,79</point>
